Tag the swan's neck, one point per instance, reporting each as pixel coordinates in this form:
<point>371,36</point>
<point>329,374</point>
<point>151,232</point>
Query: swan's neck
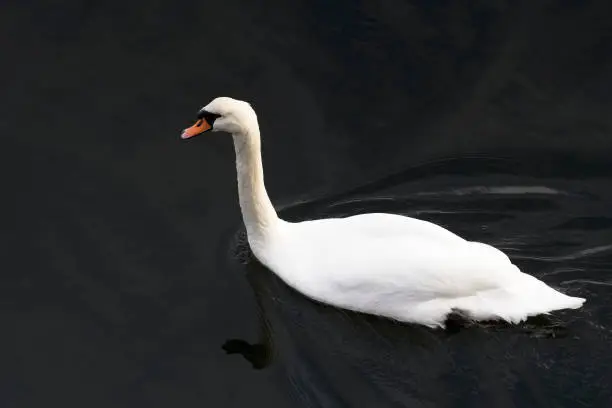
<point>257,210</point>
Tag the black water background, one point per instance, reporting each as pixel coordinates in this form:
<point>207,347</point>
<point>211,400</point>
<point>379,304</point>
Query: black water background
<point>120,281</point>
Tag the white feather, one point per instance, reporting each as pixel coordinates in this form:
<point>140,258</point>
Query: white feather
<point>383,264</point>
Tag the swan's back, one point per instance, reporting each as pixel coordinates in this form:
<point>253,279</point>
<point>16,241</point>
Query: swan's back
<point>382,225</point>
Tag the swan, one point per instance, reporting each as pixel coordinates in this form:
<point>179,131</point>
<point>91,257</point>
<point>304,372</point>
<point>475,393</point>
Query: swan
<point>383,264</point>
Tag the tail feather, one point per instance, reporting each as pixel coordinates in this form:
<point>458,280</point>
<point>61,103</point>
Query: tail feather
<point>515,306</point>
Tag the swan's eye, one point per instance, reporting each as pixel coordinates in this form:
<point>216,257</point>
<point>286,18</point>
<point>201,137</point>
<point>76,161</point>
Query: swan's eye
<point>208,117</point>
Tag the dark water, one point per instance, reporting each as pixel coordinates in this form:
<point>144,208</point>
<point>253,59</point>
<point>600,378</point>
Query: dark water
<point>126,280</point>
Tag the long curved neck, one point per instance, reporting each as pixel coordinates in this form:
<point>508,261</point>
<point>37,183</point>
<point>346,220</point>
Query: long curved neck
<point>257,211</point>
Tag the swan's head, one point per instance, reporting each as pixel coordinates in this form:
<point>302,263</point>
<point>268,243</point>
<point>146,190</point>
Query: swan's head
<point>223,114</point>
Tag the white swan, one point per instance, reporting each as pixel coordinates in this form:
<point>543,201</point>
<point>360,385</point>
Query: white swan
<point>382,264</point>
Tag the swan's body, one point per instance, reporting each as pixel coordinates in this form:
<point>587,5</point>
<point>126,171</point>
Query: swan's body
<point>383,264</point>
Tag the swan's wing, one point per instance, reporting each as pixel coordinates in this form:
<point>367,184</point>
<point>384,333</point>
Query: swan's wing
<point>342,257</point>
<point>420,268</point>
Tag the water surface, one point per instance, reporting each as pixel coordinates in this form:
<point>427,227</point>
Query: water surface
<point>125,279</point>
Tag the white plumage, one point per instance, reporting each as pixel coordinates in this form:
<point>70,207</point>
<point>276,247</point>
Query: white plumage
<point>383,264</point>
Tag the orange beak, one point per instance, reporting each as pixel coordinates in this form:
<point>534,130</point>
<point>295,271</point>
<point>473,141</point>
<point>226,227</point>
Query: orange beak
<point>200,126</point>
